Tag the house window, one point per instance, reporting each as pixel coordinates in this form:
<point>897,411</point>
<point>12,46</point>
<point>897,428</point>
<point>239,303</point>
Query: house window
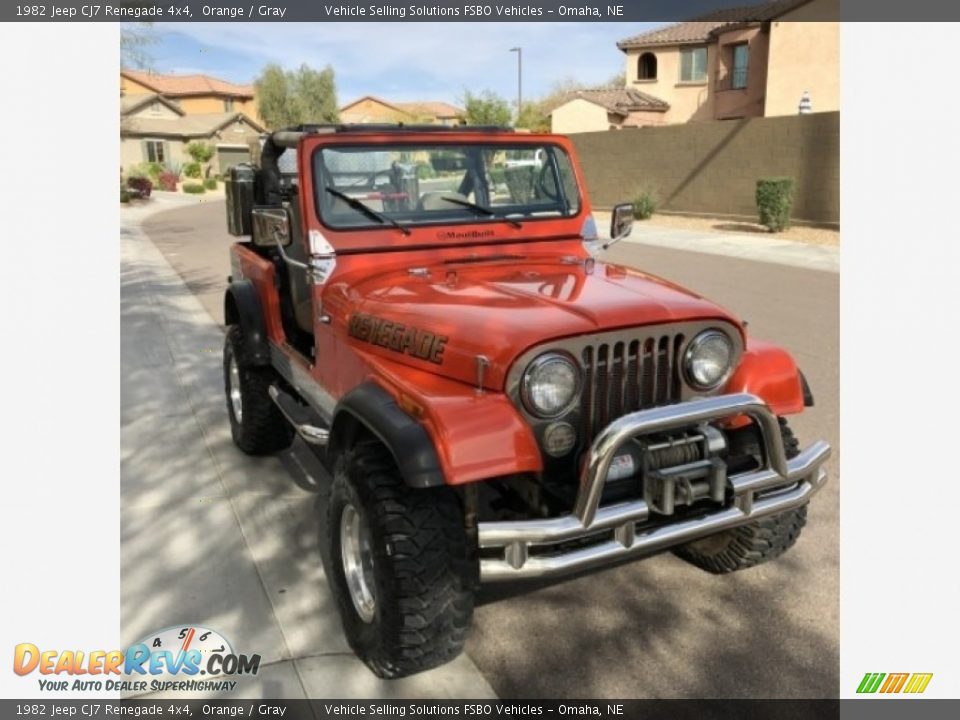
<point>693,65</point>
<point>154,151</point>
<point>738,74</point>
<point>647,67</point>
<point>228,104</point>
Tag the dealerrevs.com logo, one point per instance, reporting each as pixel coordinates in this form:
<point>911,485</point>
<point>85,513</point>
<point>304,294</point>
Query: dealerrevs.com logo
<point>893,683</point>
<point>183,658</point>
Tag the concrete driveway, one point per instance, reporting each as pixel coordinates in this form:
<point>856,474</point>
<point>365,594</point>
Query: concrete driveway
<point>658,628</point>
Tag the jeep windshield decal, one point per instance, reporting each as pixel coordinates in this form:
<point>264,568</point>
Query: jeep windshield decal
<point>441,183</point>
<point>465,234</point>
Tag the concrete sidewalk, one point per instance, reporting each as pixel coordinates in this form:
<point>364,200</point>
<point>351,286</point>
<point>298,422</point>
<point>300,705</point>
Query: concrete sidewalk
<point>212,537</point>
<point>748,246</point>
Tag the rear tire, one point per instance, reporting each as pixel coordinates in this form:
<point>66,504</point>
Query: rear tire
<point>413,591</point>
<point>257,425</point>
<point>749,545</point>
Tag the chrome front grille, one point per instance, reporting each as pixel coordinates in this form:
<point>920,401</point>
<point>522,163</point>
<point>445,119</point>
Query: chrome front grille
<point>628,375</point>
<point>623,371</point>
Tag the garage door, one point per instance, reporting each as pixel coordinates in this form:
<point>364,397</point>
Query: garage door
<point>230,156</point>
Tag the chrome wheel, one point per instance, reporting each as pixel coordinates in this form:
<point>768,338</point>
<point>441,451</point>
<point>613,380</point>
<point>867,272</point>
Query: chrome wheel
<point>235,401</point>
<point>356,550</point>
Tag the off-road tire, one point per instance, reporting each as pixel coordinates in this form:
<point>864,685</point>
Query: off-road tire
<point>749,545</point>
<point>263,429</point>
<point>424,566</point>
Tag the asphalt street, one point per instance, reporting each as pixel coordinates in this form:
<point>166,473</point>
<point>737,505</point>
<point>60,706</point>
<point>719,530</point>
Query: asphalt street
<point>658,628</point>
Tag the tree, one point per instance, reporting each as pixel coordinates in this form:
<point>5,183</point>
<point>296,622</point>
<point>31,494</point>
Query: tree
<point>486,108</point>
<point>294,97</point>
<point>617,80</point>
<point>202,153</point>
<point>134,41</point>
<point>534,117</point>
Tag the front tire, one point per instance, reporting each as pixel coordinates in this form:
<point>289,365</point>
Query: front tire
<point>399,564</point>
<point>256,424</point>
<point>753,544</point>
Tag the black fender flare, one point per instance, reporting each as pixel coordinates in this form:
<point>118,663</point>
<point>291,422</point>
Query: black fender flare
<point>805,387</point>
<point>370,406</point>
<point>241,306</point>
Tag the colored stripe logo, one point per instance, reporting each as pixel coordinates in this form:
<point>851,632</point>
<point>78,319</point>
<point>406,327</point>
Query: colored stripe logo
<point>913,683</point>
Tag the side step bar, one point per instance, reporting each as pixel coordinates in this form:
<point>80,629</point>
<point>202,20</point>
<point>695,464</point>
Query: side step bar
<point>304,420</point>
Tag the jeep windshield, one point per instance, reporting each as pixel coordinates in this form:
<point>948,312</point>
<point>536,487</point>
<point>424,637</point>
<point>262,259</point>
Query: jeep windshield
<point>420,184</point>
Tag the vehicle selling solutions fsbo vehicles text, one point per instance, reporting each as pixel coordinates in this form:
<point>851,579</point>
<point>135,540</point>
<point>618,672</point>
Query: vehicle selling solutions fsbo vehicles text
<point>471,11</point>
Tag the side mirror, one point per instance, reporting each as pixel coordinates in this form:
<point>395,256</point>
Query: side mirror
<point>621,221</point>
<point>271,227</point>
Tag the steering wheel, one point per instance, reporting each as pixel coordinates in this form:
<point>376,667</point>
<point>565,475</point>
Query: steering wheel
<point>542,185</point>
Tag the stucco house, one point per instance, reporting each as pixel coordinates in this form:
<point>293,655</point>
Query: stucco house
<point>757,61</point>
<point>607,108</point>
<point>194,94</point>
<point>371,109</point>
<point>154,128</point>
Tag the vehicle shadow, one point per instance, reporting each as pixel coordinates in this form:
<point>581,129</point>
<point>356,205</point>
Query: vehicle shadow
<point>210,536</point>
<point>658,628</point>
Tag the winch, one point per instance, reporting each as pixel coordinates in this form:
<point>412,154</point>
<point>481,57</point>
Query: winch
<point>676,469</point>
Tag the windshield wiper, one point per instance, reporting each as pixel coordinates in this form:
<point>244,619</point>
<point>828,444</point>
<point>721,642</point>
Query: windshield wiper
<point>479,209</point>
<point>367,210</point>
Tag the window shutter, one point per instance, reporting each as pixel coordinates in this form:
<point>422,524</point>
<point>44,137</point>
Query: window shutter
<point>143,151</point>
<point>166,154</point>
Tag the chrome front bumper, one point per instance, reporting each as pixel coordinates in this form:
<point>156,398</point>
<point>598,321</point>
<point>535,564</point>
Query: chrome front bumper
<point>524,545</point>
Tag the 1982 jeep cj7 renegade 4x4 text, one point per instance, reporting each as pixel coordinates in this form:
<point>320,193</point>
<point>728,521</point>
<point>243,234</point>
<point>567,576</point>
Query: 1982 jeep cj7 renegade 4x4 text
<point>493,403</point>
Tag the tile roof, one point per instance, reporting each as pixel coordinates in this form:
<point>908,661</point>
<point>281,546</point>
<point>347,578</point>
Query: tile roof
<point>429,107</point>
<point>699,29</point>
<point>617,100</point>
<point>198,125</point>
<point>129,103</point>
<point>180,85</point>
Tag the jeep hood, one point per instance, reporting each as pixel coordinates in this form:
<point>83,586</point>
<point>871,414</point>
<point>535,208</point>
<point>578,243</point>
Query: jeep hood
<point>500,308</point>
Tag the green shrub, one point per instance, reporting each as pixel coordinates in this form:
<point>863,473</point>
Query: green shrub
<point>210,183</point>
<point>150,170</point>
<point>775,202</point>
<point>645,204</point>
<point>192,170</point>
<point>124,195</point>
<point>194,188</point>
<point>425,171</point>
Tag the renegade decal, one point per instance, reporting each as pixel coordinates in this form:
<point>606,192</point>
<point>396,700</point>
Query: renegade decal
<point>400,338</point>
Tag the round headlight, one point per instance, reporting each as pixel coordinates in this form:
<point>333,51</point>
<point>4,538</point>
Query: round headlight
<point>550,385</point>
<point>708,359</point>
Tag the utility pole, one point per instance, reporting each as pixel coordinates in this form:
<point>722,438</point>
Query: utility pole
<point>519,52</point>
